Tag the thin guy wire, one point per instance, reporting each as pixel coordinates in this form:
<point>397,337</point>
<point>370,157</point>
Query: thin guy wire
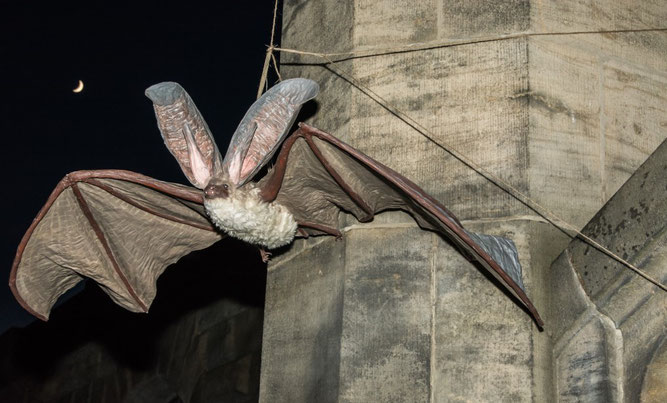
<point>516,193</point>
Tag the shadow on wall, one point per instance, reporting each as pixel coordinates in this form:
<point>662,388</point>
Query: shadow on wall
<point>100,339</point>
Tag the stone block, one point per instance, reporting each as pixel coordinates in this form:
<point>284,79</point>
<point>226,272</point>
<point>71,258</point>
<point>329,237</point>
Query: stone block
<point>175,344</point>
<point>654,389</point>
<point>632,225</point>
<point>564,129</point>
<point>395,22</point>
<point>467,97</point>
<point>567,301</point>
<point>580,15</point>
<point>332,108</point>
<point>477,18</point>
<point>217,312</point>
<point>331,22</point>
<point>643,333</point>
<point>153,389</point>
<point>303,322</point>
<point>405,334</point>
<point>583,364</point>
<point>385,342</point>
<point>552,115</point>
<point>634,114</point>
<point>594,288</point>
<point>482,343</point>
<point>233,382</point>
<point>239,336</point>
<point>596,112</point>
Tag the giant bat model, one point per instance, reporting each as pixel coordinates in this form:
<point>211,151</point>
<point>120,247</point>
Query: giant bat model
<point>122,229</point>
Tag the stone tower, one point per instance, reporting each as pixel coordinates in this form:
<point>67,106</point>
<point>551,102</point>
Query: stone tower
<point>566,114</point>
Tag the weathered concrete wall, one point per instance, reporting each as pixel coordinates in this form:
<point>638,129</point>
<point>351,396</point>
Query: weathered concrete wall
<point>394,314</point>
<point>607,322</point>
<point>597,101</point>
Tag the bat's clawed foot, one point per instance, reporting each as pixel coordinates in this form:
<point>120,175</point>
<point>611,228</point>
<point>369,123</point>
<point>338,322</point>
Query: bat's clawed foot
<point>266,255</point>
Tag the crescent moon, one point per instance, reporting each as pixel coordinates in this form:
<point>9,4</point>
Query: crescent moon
<point>79,88</point>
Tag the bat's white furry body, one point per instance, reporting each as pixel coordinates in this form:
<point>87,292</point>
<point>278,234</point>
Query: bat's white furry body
<point>245,216</point>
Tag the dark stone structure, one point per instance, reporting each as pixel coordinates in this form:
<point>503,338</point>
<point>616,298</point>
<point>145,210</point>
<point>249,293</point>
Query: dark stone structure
<point>390,312</point>
<point>201,341</point>
<point>564,100</point>
<point>607,323</point>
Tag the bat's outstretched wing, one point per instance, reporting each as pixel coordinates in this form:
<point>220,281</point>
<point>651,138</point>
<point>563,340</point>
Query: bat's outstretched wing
<point>323,175</point>
<point>118,228</point>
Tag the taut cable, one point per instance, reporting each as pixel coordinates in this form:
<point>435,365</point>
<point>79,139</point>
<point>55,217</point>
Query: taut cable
<point>551,217</point>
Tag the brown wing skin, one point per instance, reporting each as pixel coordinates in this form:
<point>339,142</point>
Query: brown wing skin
<point>118,228</point>
<point>323,175</point>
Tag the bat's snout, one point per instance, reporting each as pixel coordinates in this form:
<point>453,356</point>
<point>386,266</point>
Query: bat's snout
<point>215,191</point>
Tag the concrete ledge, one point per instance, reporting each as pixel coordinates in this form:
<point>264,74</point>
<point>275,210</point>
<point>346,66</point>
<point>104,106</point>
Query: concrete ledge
<point>607,321</point>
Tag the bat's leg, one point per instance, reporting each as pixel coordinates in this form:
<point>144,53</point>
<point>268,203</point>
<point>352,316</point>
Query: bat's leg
<point>266,255</point>
<point>339,180</point>
<point>271,187</point>
<point>320,227</point>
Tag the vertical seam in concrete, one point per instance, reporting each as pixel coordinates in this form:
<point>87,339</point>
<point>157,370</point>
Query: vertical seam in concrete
<point>438,18</point>
<point>614,349</point>
<point>342,314</point>
<point>554,375</point>
<point>434,248</point>
<point>526,167</point>
<point>538,21</point>
<point>603,179</point>
<point>526,139</point>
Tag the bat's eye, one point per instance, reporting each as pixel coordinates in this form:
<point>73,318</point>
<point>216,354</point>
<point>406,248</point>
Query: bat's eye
<point>226,186</point>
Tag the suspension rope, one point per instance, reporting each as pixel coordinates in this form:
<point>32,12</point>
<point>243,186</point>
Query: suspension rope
<point>330,60</point>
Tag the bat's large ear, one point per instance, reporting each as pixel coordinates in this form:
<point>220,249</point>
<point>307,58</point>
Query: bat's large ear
<point>185,133</point>
<point>264,127</point>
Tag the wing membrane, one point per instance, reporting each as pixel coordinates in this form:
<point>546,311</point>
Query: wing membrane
<point>118,228</point>
<point>313,194</point>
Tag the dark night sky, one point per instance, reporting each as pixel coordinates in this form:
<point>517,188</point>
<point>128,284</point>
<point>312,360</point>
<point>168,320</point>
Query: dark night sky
<point>214,50</point>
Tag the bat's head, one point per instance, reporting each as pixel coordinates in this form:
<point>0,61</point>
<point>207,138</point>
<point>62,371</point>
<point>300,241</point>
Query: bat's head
<point>218,188</point>
<point>254,142</point>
